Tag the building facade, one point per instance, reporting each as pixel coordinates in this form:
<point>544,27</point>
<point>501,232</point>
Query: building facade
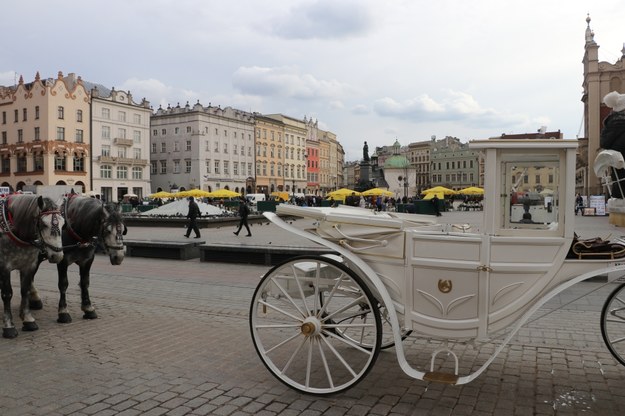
<point>600,78</point>
<point>199,147</point>
<point>453,164</point>
<point>120,142</point>
<point>44,131</point>
<point>270,150</point>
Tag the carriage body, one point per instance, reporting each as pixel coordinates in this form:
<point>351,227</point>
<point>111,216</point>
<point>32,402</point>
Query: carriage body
<point>456,282</point>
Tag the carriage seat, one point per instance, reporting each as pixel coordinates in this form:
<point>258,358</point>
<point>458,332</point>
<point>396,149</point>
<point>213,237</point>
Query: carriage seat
<point>596,249</point>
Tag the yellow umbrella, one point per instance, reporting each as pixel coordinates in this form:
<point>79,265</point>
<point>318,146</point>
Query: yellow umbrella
<point>377,192</point>
<point>161,194</point>
<point>284,196</point>
<point>343,192</point>
<point>472,190</point>
<point>197,193</point>
<point>440,189</point>
<point>430,195</point>
<point>223,193</point>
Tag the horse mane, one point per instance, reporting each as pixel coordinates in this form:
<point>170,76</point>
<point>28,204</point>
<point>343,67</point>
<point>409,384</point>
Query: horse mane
<point>86,215</point>
<point>114,215</point>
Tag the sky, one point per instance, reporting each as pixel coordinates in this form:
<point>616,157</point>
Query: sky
<point>366,70</point>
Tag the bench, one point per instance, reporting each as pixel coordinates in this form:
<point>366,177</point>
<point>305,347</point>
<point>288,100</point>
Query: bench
<point>177,250</point>
<point>254,254</point>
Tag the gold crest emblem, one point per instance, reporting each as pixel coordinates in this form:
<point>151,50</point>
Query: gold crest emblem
<point>444,285</point>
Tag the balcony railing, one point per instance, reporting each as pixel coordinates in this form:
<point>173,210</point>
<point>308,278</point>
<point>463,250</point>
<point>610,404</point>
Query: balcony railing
<point>123,160</point>
<point>123,142</point>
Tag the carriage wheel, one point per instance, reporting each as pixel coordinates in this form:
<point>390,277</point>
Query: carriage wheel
<point>298,314</point>
<point>358,336</point>
<point>613,323</point>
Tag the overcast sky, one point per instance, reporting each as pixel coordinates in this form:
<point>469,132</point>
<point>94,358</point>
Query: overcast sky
<point>365,69</point>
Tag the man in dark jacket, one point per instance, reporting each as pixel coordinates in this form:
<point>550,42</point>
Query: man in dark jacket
<point>194,212</point>
<point>244,211</point>
<point>613,135</point>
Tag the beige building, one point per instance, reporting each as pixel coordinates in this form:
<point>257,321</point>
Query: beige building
<point>600,78</point>
<point>44,130</point>
<point>120,144</point>
<point>295,181</point>
<point>199,147</point>
<point>270,150</point>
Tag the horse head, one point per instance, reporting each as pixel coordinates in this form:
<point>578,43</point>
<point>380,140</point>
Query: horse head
<point>113,230</point>
<point>49,222</point>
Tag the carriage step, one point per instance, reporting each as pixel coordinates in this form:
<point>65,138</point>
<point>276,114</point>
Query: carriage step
<point>440,377</point>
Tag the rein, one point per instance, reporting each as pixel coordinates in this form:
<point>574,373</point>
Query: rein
<point>81,242</point>
<point>5,227</point>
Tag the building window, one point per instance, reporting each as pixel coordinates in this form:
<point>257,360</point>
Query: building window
<point>163,132</point>
<point>79,163</point>
<point>137,172</point>
<point>38,162</point>
<point>16,113</point>
<point>226,167</point>
<point>226,148</point>
<point>136,136</point>
<point>163,147</point>
<point>20,135</point>
<point>163,166</point>
<point>176,166</point>
<point>136,153</point>
<point>122,172</point>
<point>106,133</point>
<point>105,171</point>
<point>122,116</point>
<point>59,161</point>
<point>106,150</point>
<point>155,132</point>
<point>153,167</point>
<point>234,149</point>
<point>176,130</point>
<point>121,152</point>
<point>79,135</point>
<point>60,133</point>
<point>136,118</point>
<point>153,147</point>
<point>4,117</point>
<point>188,145</point>
<point>176,146</point>
<point>37,113</point>
<point>21,163</point>
<point>106,113</point>
<point>187,168</point>
<point>24,114</point>
<point>208,166</point>
<point>217,170</point>
<point>188,129</point>
<point>6,165</point>
<point>79,116</point>
<point>37,134</point>
<point>121,133</point>
<point>61,112</point>
<point>235,168</point>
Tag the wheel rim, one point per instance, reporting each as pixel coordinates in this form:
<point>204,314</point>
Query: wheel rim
<point>613,323</point>
<point>298,314</point>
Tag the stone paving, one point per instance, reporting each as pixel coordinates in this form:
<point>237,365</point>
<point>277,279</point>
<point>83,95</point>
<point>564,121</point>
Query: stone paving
<point>172,338</point>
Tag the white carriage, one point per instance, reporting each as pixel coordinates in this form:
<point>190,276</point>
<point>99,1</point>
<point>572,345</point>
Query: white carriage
<point>319,322</point>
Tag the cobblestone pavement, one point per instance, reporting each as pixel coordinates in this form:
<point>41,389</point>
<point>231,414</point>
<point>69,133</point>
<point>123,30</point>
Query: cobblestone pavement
<point>172,338</point>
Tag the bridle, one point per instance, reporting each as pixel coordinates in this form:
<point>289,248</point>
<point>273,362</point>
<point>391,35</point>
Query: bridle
<point>81,242</point>
<point>40,243</point>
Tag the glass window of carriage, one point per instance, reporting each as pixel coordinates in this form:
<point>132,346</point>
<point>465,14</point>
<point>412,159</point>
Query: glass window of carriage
<point>531,189</point>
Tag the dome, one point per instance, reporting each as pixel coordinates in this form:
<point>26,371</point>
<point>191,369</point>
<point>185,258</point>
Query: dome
<point>396,162</point>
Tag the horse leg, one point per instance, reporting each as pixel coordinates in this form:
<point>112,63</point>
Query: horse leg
<point>8,329</point>
<point>34,300</point>
<point>87,308</point>
<point>63,315</point>
<point>28,321</point>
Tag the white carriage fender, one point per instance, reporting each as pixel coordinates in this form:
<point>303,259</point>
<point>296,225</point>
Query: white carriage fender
<point>372,277</point>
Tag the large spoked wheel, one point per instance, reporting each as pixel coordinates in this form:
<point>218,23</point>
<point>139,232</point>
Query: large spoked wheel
<point>613,323</point>
<point>301,310</point>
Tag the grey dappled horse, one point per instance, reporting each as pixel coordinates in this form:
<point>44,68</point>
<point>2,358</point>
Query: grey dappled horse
<point>89,223</point>
<point>30,230</point>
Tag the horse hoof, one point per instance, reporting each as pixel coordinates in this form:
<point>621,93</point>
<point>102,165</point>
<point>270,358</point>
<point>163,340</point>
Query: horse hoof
<point>90,315</point>
<point>35,305</point>
<point>9,332</point>
<point>30,326</point>
<point>64,318</point>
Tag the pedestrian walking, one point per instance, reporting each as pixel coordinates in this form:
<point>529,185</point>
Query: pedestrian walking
<point>194,212</point>
<point>244,211</point>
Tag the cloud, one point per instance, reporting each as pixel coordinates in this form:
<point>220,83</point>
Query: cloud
<point>456,106</point>
<point>360,109</point>
<point>7,78</point>
<point>158,93</point>
<point>287,82</point>
<point>324,19</point>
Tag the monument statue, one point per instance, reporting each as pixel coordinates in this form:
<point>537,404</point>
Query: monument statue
<point>365,152</point>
